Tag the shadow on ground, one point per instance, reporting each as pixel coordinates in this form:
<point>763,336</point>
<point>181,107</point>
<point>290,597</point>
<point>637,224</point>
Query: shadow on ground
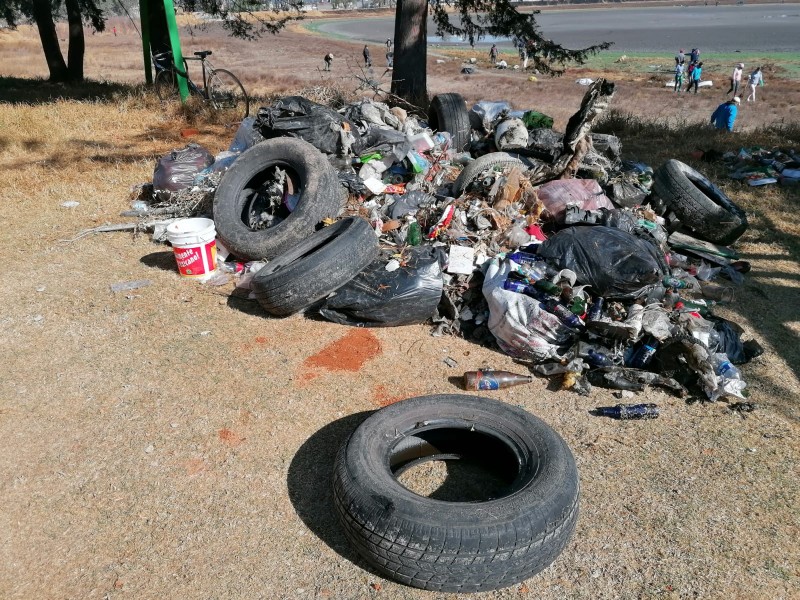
<point>311,487</point>
<point>18,90</point>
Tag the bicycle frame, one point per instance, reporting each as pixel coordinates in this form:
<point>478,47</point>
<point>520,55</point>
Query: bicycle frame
<point>161,64</point>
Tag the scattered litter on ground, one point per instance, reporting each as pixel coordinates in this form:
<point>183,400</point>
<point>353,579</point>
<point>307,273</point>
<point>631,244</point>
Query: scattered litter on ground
<point>127,286</point>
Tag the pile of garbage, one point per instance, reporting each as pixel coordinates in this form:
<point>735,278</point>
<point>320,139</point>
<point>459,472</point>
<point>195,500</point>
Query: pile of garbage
<point>488,224</point>
<point>758,166</point>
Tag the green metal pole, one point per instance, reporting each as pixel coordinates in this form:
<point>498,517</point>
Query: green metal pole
<point>144,18</point>
<point>175,42</point>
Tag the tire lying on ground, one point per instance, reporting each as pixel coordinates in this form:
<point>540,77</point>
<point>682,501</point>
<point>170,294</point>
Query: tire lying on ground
<point>448,112</point>
<point>700,205</point>
<point>474,543</point>
<point>493,160</point>
<point>315,267</point>
<point>320,197</point>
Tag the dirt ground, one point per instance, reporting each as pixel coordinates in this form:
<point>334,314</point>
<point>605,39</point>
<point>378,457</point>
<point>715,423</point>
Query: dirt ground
<point>173,441</point>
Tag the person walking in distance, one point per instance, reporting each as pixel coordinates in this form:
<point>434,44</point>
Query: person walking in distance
<point>736,79</point>
<point>678,77</point>
<point>114,29</point>
<point>523,55</point>
<point>367,57</point>
<point>755,79</point>
<point>493,54</point>
<point>328,61</point>
<point>694,78</point>
<point>680,57</point>
<point>725,114</point>
<point>695,55</point>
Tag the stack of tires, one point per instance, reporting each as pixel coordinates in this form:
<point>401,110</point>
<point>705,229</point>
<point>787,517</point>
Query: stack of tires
<point>305,263</point>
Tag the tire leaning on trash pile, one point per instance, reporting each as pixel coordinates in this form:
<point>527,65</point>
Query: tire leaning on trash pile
<point>700,205</point>
<point>448,112</point>
<point>461,546</point>
<point>317,266</point>
<point>492,160</point>
<point>320,197</point>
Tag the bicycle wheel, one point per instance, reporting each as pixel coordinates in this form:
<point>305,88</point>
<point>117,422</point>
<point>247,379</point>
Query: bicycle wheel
<point>166,85</point>
<point>227,93</point>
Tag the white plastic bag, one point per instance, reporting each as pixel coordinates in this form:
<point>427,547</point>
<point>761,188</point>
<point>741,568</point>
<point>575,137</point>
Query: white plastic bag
<point>522,328</point>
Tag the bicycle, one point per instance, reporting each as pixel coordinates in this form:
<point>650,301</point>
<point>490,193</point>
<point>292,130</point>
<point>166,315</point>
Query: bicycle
<point>220,87</point>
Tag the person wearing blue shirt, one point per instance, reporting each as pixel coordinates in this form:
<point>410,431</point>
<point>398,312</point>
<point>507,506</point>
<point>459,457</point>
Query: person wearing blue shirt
<point>725,115</point>
<point>694,77</point>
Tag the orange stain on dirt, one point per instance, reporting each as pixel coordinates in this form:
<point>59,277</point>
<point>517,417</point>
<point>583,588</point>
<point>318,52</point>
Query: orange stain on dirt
<point>348,353</point>
<point>261,340</point>
<point>382,397</point>
<point>230,437</point>
<point>194,466</point>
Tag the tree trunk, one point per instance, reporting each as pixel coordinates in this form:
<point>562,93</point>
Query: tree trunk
<point>49,38</point>
<point>76,41</point>
<point>410,74</point>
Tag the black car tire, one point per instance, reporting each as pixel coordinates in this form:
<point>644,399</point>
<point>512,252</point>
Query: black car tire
<point>462,546</point>
<point>315,267</point>
<point>448,112</point>
<point>700,205</point>
<point>320,197</point>
<point>489,161</point>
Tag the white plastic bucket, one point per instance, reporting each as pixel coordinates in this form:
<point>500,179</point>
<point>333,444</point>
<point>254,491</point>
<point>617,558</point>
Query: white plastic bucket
<point>194,246</point>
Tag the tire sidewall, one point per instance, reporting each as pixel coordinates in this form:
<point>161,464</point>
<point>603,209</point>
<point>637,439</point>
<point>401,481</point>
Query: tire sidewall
<point>550,472</point>
<point>319,193</point>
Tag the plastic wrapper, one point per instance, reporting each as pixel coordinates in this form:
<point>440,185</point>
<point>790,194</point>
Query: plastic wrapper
<point>586,193</point>
<point>627,194</point>
<point>246,136</point>
<point>409,203</point>
<point>536,120</point>
<point>522,328</point>
<point>295,116</point>
<point>613,262</point>
<point>487,113</point>
<point>380,298</point>
<point>176,171</point>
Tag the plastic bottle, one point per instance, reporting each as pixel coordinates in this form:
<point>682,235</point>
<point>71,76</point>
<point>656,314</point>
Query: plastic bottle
<point>629,411</point>
<point>675,283</point>
<point>698,306</point>
<point>547,287</point>
<point>596,311</point>
<point>598,359</point>
<point>634,321</point>
<point>493,380</point>
<point>524,258</point>
<point>414,235</point>
<point>643,352</point>
<point>565,316</point>
<point>524,288</point>
<point>723,367</point>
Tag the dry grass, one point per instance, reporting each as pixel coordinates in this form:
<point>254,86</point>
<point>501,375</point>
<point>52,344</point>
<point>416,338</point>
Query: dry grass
<point>176,442</point>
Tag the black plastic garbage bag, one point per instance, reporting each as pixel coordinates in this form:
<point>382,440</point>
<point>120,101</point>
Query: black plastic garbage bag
<point>730,342</point>
<point>176,171</point>
<point>409,203</point>
<point>295,116</point>
<point>247,136</point>
<point>613,262</point>
<point>379,298</point>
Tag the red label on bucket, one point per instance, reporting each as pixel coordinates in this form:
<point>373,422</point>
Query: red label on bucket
<point>195,261</point>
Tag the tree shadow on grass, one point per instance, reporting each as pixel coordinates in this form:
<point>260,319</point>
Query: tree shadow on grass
<point>19,90</point>
<point>311,488</point>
